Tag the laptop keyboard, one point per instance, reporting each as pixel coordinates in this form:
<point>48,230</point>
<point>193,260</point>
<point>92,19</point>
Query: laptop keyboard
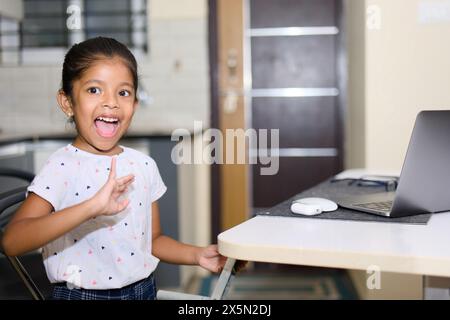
<point>377,206</point>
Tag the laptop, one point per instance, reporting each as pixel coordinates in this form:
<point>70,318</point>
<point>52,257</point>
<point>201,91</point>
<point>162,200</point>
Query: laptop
<point>424,184</point>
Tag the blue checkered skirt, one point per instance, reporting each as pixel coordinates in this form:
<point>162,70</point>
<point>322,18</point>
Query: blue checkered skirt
<point>141,290</point>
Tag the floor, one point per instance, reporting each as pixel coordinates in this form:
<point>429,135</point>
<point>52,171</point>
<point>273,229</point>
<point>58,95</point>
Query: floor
<point>255,283</point>
<point>12,287</point>
<point>285,283</point>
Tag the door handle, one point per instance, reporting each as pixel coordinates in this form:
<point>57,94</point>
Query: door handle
<point>232,65</point>
<point>231,93</point>
<point>230,103</point>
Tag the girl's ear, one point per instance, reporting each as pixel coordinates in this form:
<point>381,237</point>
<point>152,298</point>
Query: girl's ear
<point>135,105</point>
<point>64,103</point>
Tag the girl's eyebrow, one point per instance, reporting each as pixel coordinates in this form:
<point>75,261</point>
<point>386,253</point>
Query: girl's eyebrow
<point>102,82</point>
<point>126,84</point>
<point>93,80</point>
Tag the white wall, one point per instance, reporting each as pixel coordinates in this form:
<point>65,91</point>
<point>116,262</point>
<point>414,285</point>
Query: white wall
<point>178,9</point>
<point>396,69</point>
<point>403,68</point>
<point>176,72</point>
<point>195,213</point>
<point>355,133</point>
<point>11,8</point>
<point>408,70</point>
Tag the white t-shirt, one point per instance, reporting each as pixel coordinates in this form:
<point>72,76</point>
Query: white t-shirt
<point>106,252</point>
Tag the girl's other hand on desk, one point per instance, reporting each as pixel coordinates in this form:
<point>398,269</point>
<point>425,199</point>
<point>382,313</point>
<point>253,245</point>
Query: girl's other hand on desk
<point>210,259</point>
<point>106,200</point>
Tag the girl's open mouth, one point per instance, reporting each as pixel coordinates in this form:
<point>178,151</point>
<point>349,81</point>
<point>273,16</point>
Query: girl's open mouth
<point>106,127</point>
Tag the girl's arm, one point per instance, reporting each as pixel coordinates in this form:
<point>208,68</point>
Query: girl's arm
<point>33,225</point>
<point>172,251</point>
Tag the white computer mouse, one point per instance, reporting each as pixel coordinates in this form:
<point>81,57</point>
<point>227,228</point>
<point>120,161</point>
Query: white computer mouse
<point>313,206</point>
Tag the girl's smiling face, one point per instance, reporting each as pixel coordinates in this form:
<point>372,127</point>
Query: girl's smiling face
<point>103,102</point>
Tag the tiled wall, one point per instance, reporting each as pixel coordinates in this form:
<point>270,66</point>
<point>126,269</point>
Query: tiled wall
<point>175,74</point>
<point>27,99</point>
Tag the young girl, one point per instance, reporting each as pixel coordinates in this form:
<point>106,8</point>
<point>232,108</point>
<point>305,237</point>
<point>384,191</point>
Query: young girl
<point>93,207</point>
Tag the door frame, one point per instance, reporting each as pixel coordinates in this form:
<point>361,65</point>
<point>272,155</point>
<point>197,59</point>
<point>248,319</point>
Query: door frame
<point>214,115</point>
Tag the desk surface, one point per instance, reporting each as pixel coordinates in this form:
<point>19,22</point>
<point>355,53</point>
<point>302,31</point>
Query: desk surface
<point>412,249</point>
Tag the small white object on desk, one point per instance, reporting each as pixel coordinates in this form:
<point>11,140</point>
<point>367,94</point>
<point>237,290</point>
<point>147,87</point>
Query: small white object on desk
<point>313,206</point>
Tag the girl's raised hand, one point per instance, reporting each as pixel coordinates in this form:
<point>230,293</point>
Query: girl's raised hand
<point>106,200</point>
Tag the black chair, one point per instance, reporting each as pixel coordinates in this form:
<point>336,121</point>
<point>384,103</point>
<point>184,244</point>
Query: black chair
<point>14,173</point>
<point>7,200</point>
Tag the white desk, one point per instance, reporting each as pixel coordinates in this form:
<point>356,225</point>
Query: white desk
<point>410,249</point>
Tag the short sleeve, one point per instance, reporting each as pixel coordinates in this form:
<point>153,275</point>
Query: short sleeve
<point>50,183</point>
<point>157,186</point>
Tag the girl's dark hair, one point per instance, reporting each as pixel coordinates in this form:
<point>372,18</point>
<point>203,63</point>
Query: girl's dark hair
<point>82,55</point>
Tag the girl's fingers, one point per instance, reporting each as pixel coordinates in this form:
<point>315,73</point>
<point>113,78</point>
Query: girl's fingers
<point>122,189</point>
<point>122,205</point>
<point>119,190</point>
<point>125,179</point>
<point>122,186</point>
<point>212,251</point>
<point>112,169</point>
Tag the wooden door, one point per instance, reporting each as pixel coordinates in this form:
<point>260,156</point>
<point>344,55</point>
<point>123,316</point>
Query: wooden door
<point>295,47</point>
<point>288,71</point>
